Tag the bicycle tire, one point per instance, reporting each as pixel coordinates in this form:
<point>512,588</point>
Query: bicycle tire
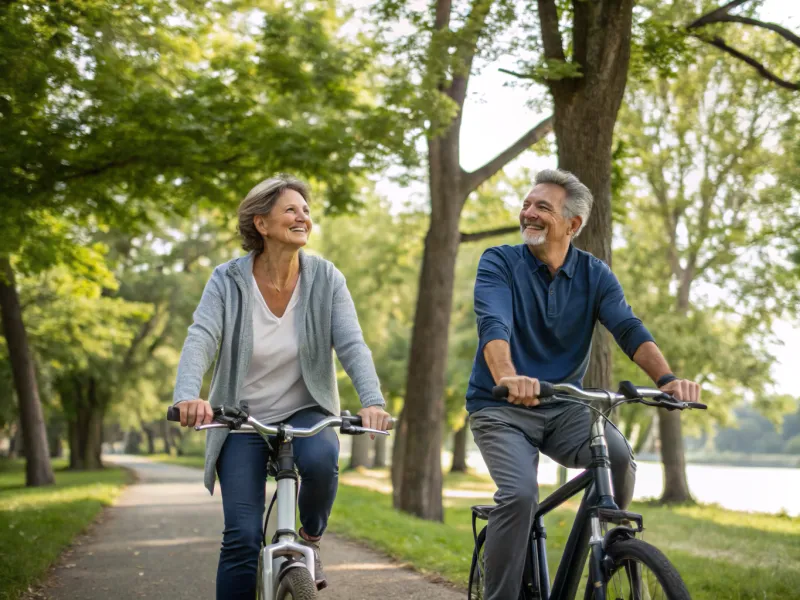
<point>297,584</point>
<point>475,587</point>
<point>624,551</point>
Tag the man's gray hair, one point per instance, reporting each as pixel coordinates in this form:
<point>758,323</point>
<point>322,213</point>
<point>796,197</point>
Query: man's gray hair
<point>260,200</point>
<point>579,199</point>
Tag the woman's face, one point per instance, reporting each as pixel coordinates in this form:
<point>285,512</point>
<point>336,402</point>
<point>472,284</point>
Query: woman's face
<point>289,221</point>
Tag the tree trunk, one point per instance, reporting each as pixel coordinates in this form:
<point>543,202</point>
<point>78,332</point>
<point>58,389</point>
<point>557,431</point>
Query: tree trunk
<point>38,470</point>
<point>54,431</point>
<point>676,486</point>
<point>381,452</point>
<point>577,130</point>
<point>165,435</point>
<point>584,117</point>
<point>86,409</point>
<point>133,442</point>
<point>15,443</point>
<point>151,440</point>
<point>398,454</point>
<point>670,431</point>
<point>360,452</point>
<point>423,413</point>
<point>460,450</point>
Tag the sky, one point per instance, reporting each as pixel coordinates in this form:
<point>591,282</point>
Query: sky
<point>495,115</point>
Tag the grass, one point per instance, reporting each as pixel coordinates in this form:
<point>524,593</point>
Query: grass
<point>37,524</point>
<point>721,554</point>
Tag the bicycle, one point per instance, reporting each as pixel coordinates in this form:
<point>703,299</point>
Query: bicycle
<point>617,558</point>
<point>285,567</point>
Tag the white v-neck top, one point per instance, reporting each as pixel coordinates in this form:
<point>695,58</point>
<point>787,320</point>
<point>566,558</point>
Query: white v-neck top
<point>274,387</point>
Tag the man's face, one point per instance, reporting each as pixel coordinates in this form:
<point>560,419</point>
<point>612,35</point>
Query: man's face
<point>541,218</point>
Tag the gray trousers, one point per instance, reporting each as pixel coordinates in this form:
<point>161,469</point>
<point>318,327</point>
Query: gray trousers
<point>510,439</point>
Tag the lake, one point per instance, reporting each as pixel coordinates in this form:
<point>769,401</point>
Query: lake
<point>758,489</point>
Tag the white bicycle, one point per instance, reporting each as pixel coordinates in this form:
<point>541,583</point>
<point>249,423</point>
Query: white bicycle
<point>285,567</point>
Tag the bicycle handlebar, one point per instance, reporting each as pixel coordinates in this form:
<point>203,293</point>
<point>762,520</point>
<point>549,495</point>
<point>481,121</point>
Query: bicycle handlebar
<point>349,424</point>
<point>628,393</point>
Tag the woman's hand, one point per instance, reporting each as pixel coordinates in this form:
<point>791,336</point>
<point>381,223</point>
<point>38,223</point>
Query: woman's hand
<point>195,412</point>
<point>374,417</point>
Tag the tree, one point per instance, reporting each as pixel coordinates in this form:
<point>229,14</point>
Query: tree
<point>440,55</point>
<point>700,153</point>
<point>120,112</point>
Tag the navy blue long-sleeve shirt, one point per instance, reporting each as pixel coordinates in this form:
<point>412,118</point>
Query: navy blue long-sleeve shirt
<point>547,321</point>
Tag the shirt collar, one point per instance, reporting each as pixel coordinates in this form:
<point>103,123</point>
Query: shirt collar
<point>568,268</point>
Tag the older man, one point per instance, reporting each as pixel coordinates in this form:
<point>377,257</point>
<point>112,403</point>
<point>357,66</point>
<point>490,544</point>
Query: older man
<point>537,305</point>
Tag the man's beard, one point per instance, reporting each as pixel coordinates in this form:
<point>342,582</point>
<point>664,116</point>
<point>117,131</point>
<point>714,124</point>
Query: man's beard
<point>533,238</point>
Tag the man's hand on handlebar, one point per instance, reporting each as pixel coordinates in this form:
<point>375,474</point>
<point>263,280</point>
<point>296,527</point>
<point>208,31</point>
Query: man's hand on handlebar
<point>374,417</point>
<point>683,390</point>
<point>522,390</point>
<point>195,412</point>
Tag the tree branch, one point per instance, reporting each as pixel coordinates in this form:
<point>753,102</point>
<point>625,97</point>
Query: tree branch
<point>715,14</point>
<point>471,181</point>
<point>467,47</point>
<point>763,71</point>
<point>781,31</point>
<point>480,235</point>
<point>551,34</point>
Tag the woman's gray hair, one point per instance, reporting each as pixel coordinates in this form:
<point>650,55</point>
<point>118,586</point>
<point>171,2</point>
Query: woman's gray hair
<point>259,201</point>
<point>579,199</point>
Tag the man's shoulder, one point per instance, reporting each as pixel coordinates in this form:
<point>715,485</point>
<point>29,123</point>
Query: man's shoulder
<point>589,261</point>
<point>506,252</point>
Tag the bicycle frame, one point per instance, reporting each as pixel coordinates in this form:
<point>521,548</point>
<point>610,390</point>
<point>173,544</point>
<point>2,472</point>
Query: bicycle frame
<point>284,545</point>
<point>597,506</point>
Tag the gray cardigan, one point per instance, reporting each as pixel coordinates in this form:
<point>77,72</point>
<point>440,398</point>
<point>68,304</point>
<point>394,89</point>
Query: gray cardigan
<point>223,327</point>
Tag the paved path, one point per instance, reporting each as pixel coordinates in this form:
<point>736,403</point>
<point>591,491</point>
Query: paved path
<point>162,537</point>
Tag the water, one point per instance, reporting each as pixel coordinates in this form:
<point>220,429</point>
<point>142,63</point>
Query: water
<point>755,489</point>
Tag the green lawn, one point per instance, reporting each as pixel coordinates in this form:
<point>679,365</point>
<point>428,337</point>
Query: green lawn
<point>721,554</point>
<point>36,524</point>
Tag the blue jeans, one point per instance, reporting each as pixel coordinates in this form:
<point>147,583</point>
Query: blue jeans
<point>242,472</point>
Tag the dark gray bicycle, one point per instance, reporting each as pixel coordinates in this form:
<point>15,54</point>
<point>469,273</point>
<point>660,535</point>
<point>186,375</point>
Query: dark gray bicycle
<point>621,567</point>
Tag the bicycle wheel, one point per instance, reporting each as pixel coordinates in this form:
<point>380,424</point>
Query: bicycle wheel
<point>297,584</point>
<point>641,572</point>
<point>476,570</point>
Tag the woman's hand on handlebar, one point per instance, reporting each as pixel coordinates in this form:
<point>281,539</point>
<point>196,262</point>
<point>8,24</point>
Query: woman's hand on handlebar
<point>195,412</point>
<point>521,390</point>
<point>374,417</point>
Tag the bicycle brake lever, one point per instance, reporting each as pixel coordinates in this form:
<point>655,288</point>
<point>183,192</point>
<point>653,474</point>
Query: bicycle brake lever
<point>358,430</point>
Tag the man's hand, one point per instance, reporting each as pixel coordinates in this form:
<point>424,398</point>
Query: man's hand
<point>683,390</point>
<point>374,417</point>
<point>521,390</point>
<point>195,412</point>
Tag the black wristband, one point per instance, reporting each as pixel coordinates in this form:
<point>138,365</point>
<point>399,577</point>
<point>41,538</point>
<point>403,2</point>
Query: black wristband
<point>665,379</point>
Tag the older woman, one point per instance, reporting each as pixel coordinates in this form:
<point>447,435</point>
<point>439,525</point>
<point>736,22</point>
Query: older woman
<point>271,318</point>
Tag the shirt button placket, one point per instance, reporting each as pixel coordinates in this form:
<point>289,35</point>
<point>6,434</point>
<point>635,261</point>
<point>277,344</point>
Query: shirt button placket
<point>551,300</point>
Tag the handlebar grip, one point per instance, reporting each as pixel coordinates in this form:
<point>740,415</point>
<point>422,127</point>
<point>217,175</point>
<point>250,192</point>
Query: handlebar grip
<point>173,414</point>
<point>500,392</point>
<point>698,405</point>
<point>546,389</point>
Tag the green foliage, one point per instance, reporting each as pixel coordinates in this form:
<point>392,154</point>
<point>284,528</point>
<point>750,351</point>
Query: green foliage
<point>706,258</point>
<point>379,254</point>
